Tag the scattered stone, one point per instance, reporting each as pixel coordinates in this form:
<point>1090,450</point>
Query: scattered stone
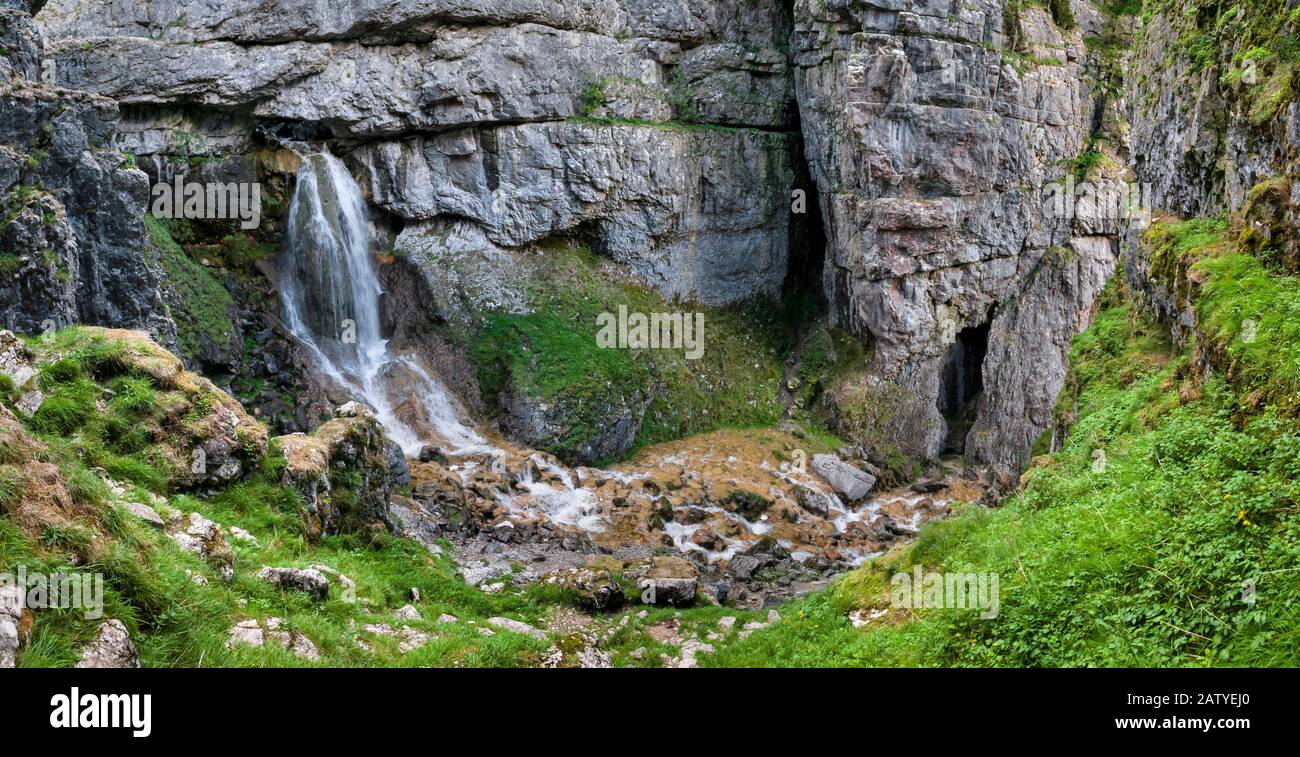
<point>773,616</point>
<point>310,581</point>
<point>690,649</point>
<point>251,633</point>
<point>445,618</point>
<point>727,622</point>
<point>11,621</point>
<point>245,632</point>
<point>144,513</point>
<point>239,534</point>
<point>481,574</point>
<point>412,639</point>
<point>408,612</point>
<point>516,626</point>
<point>577,650</point>
<point>205,539</point>
<point>860,618</point>
<point>112,648</point>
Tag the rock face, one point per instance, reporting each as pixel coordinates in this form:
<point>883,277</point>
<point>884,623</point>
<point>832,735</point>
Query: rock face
<point>671,137</point>
<point>72,248</point>
<point>529,120</point>
<point>696,213</point>
<point>1216,131</point>
<point>930,132</point>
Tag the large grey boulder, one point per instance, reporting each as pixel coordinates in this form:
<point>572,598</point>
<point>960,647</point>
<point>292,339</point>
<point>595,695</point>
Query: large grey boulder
<point>851,483</point>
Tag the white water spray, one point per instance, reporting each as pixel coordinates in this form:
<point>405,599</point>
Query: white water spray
<point>331,297</point>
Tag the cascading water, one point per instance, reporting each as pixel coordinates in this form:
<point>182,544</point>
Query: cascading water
<point>331,298</point>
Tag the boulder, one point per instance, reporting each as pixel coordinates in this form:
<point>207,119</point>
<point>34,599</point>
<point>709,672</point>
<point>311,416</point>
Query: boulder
<point>668,581</point>
<point>11,620</point>
<point>596,589</point>
<point>850,482</point>
<point>145,513</point>
<point>345,473</point>
<point>311,582</point>
<point>515,626</point>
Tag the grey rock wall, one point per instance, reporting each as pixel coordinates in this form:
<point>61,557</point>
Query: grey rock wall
<point>930,135</point>
<point>531,118</point>
<point>73,243</point>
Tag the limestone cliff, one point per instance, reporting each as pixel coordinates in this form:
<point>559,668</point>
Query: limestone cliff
<point>674,138</point>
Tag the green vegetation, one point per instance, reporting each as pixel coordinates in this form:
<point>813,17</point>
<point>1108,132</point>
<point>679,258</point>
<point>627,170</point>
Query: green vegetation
<point>552,355</point>
<point>206,307</point>
<point>1246,310</point>
<point>1254,45</point>
<point>1143,562</point>
<point>1062,15</point>
<point>98,409</point>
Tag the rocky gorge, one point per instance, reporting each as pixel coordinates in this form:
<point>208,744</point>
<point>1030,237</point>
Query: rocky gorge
<point>861,197</point>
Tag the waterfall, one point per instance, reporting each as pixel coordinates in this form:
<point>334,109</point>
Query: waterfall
<point>331,298</point>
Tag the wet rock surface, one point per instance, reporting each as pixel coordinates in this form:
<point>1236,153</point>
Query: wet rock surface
<point>717,518</point>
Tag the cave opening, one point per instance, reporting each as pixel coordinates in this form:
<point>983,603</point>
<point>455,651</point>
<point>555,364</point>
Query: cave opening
<point>961,384</point>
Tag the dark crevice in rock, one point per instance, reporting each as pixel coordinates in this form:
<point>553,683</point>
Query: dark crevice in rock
<point>962,384</point>
<point>807,229</point>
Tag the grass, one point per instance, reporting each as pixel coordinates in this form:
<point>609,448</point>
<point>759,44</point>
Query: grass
<point>1248,313</point>
<point>552,355</point>
<point>1142,563</point>
<point>204,314</point>
<point>95,410</point>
